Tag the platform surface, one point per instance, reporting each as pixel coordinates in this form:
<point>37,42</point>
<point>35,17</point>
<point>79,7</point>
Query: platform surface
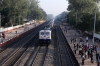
<point>71,34</point>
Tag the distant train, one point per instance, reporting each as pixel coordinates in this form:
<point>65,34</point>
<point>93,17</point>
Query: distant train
<point>50,24</point>
<point>45,36</point>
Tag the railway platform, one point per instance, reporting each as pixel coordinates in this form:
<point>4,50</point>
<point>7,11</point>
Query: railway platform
<point>15,33</point>
<point>71,34</point>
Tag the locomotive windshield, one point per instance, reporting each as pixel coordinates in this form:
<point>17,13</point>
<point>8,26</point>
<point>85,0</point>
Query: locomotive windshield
<point>42,33</point>
<point>47,33</point>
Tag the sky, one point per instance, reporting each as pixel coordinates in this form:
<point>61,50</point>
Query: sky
<point>54,7</point>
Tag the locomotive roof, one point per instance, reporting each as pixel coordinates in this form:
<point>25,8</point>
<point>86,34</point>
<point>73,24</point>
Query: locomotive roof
<point>45,30</point>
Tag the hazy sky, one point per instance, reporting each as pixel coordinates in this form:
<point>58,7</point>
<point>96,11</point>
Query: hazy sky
<point>54,7</point>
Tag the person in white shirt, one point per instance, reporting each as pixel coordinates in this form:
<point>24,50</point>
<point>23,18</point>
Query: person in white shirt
<point>86,39</point>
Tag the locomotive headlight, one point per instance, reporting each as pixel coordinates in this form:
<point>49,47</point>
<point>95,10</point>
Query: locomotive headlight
<point>40,36</point>
<point>48,37</point>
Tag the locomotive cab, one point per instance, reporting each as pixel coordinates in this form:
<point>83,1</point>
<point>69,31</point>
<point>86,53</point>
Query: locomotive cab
<point>45,37</point>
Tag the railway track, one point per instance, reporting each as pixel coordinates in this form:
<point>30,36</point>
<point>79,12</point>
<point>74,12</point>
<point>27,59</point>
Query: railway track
<point>15,56</point>
<point>30,53</point>
<point>65,55</point>
<point>11,50</point>
<point>27,54</point>
<point>40,57</point>
<point>13,42</point>
<point>35,57</point>
<point>49,59</point>
<point>12,55</point>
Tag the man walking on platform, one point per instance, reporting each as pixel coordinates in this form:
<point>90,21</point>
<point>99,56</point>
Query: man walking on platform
<point>89,53</point>
<point>96,48</point>
<point>83,59</point>
<point>3,35</point>
<point>75,48</point>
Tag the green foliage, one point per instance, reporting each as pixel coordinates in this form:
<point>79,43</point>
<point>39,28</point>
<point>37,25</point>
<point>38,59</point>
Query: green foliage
<point>35,12</point>
<point>11,10</point>
<point>62,17</point>
<point>81,5</point>
<point>85,14</point>
<point>87,22</point>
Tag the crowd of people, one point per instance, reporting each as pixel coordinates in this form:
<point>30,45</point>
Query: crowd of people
<point>86,50</point>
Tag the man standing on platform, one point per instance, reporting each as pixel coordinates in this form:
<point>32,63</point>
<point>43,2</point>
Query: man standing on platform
<point>86,39</point>
<point>1,37</point>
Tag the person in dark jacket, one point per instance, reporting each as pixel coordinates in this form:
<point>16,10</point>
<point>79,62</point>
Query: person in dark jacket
<point>89,53</point>
<point>77,46</point>
<point>98,63</point>
<point>91,56</point>
<point>3,35</point>
<point>71,40</point>
<point>97,54</point>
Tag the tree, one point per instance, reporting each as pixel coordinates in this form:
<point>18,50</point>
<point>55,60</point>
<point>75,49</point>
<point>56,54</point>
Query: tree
<point>36,12</point>
<point>87,24</point>
<point>13,10</point>
<point>84,9</point>
<point>62,17</point>
<point>81,6</point>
